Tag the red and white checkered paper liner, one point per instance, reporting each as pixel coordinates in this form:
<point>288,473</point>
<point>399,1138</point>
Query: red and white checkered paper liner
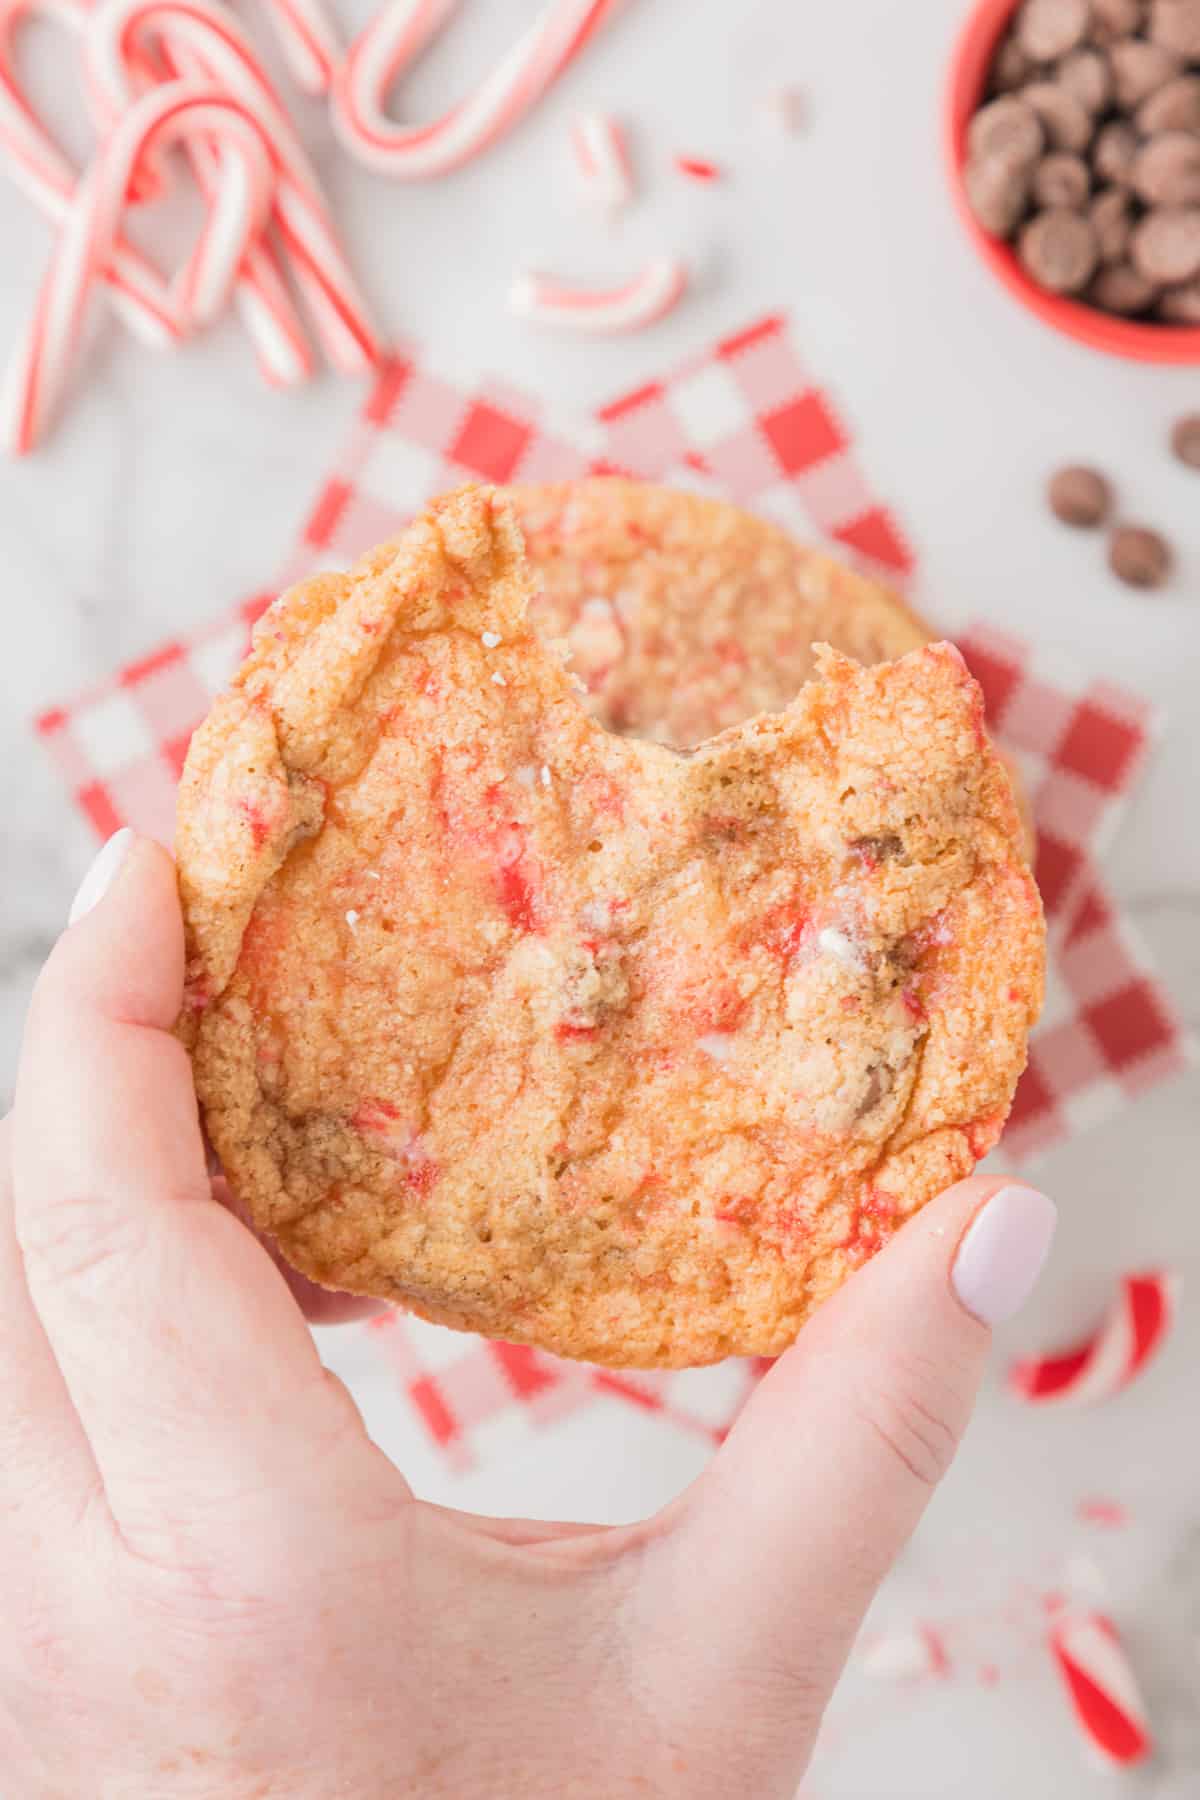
<point>748,420</point>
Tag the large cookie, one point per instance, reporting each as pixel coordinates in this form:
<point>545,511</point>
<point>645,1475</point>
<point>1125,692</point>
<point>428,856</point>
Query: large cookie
<point>685,615</point>
<point>568,1037</point>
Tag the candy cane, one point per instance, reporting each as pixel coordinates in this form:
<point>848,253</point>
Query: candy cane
<point>1103,1689</point>
<point>394,38</point>
<point>263,301</point>
<point>602,160</point>
<point>649,296</point>
<point>42,363</point>
<point>139,295</point>
<point>308,41</point>
<point>208,32</point>
<point>1131,1334</point>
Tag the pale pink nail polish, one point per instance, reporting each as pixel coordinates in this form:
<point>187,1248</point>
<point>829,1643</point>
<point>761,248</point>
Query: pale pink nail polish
<point>101,875</point>
<point>1002,1253</point>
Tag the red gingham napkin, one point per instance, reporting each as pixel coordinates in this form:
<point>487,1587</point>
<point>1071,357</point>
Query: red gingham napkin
<point>746,419</point>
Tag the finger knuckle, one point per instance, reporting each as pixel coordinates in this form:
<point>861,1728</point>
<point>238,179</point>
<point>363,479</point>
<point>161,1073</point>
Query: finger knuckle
<point>917,1430</point>
<point>82,1238</point>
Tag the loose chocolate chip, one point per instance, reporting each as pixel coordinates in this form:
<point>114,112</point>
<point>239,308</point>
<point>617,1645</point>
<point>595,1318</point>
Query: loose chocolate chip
<point>1139,70</point>
<point>1166,245</point>
<point>1112,222</point>
<point>1079,496</point>
<point>1113,19</point>
<point>1059,250</point>
<point>1120,288</point>
<point>1064,119</point>
<point>1086,74</point>
<point>1175,25</point>
<point>1011,69</point>
<point>1185,440</point>
<point>1175,107</point>
<point>1047,29</point>
<point>996,194</point>
<point>1061,179</point>
<point>1181,305</point>
<point>1005,130</point>
<point>1114,151</point>
<point>1139,557</point>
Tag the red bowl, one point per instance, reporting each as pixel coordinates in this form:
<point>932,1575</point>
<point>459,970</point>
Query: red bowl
<point>972,58</point>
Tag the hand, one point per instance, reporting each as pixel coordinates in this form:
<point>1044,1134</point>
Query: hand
<point>216,1585</point>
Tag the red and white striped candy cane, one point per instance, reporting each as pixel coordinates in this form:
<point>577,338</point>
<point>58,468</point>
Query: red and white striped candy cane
<point>649,296</point>
<point>39,370</point>
<point>602,160</point>
<point>266,307</point>
<point>1104,1691</point>
<point>309,42</point>
<point>39,167</point>
<point>395,37</point>
<point>206,33</point>
<point>1132,1333</point>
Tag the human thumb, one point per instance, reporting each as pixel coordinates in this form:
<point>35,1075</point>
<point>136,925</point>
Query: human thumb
<point>837,1454</point>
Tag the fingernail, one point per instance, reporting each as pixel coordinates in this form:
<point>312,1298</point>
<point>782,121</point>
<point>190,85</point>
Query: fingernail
<point>101,875</point>
<point>1002,1253</point>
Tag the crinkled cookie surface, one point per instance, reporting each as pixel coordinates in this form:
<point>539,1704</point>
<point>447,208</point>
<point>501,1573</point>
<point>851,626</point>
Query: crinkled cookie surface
<point>571,1038</point>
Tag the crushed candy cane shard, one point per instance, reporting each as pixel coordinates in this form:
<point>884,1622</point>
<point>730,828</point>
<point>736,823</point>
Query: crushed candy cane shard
<point>1103,1689</point>
<point>698,168</point>
<point>649,296</point>
<point>602,161</point>
<point>1130,1336</point>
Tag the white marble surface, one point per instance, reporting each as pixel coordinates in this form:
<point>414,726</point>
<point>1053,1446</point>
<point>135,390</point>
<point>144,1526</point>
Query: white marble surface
<point>174,486</point>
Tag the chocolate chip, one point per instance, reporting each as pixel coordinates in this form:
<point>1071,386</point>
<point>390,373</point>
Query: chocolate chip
<point>1059,250</point>
<point>1185,440</point>
<point>1011,69</point>
<point>1064,119</point>
<point>879,849</point>
<point>1138,557</point>
<point>1006,130</point>
<point>1061,179</point>
<point>1114,152</point>
<point>1181,305</point>
<point>1047,29</point>
<point>996,194</point>
<point>1113,19</point>
<point>1080,497</point>
<point>1175,25</point>
<point>1166,245</point>
<point>1120,288</point>
<point>1086,74</point>
<point>1112,222</point>
<point>1139,70</point>
<point>1174,107</point>
<point>1166,170</point>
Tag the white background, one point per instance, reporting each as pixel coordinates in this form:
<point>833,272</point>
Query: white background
<point>175,485</point>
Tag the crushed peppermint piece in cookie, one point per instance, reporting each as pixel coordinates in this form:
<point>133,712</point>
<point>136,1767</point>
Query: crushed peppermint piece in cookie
<point>498,678</point>
<point>837,944</point>
<point>352,919</point>
<point>489,639</point>
<point>717,1044</point>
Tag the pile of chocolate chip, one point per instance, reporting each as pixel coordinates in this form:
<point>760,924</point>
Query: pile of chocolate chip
<point>1087,155</point>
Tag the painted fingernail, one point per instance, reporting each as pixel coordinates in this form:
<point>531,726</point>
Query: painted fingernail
<point>1002,1253</point>
<point>101,875</point>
